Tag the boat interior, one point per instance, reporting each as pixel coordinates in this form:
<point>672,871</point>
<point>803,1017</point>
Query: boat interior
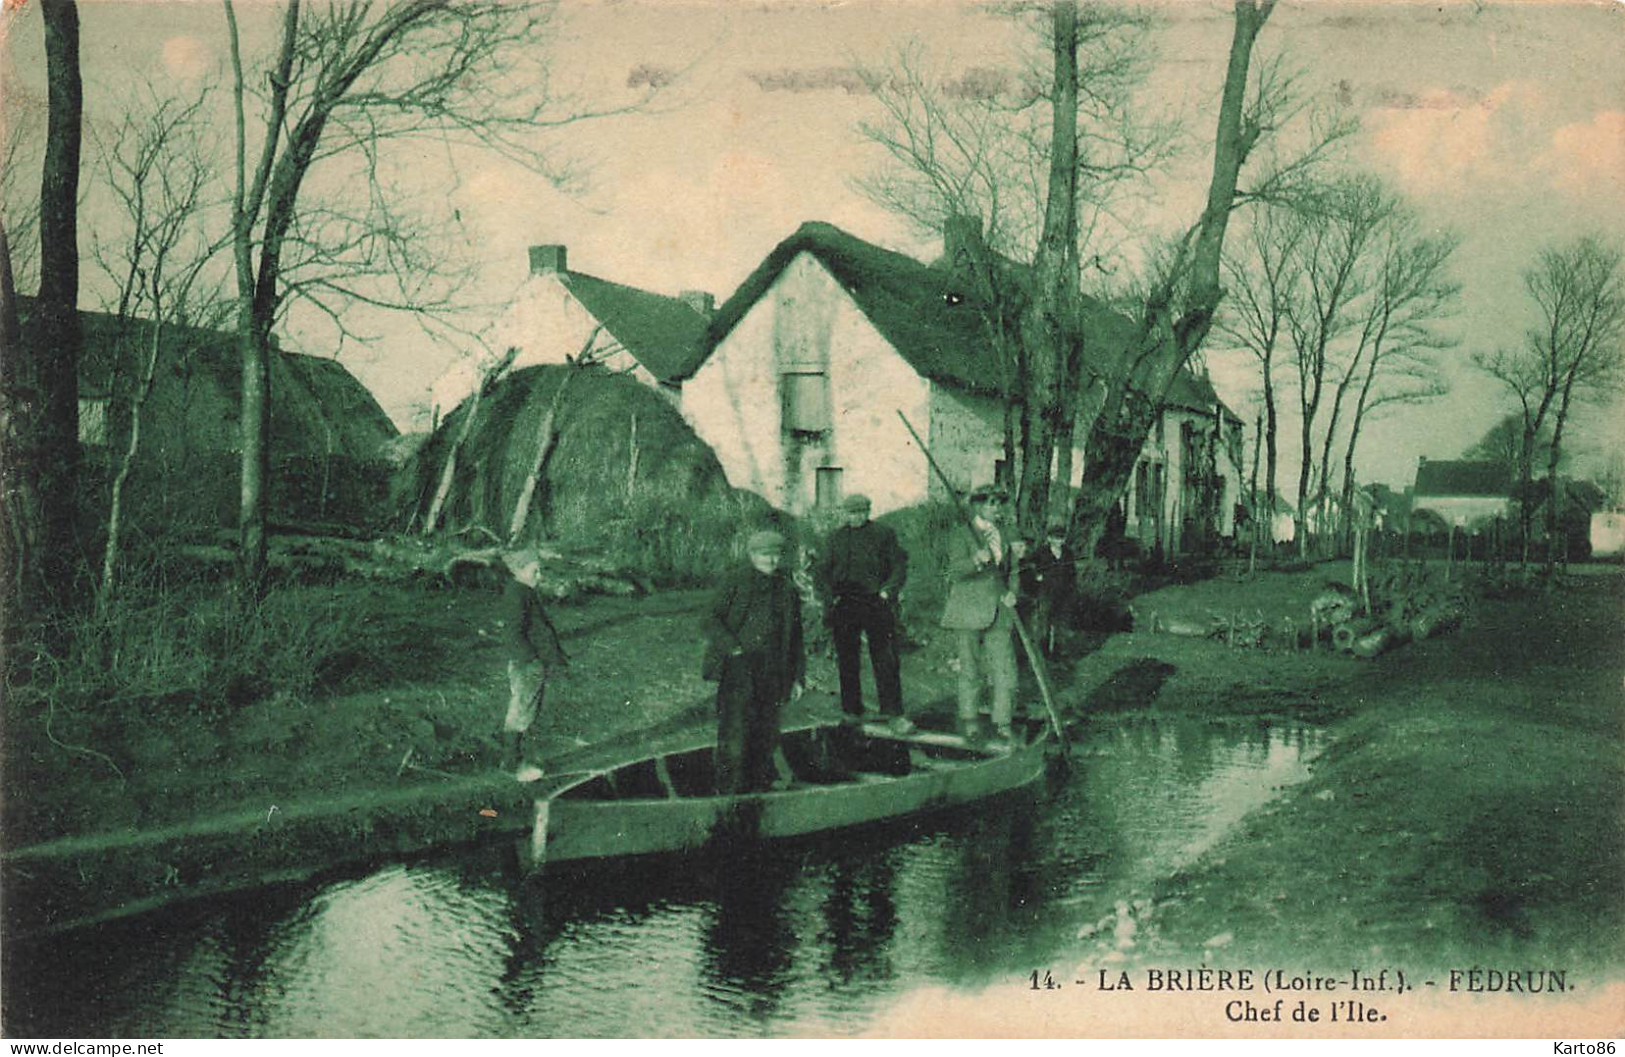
<point>808,757</point>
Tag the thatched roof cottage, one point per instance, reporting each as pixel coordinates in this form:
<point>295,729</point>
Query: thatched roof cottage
<point>327,437</point>
<point>558,315</point>
<point>800,376</point>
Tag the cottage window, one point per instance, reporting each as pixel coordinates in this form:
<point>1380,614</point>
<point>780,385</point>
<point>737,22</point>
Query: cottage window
<point>93,422</point>
<point>806,402</point>
<point>827,487</point>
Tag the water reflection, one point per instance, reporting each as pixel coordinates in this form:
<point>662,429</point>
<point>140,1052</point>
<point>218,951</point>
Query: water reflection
<point>860,920</point>
<point>810,939</point>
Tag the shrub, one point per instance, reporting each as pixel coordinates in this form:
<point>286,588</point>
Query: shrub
<point>1102,599</point>
<point>188,649</point>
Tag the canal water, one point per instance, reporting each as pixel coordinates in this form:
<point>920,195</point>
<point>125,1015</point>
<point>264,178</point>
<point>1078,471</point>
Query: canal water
<point>817,938</point>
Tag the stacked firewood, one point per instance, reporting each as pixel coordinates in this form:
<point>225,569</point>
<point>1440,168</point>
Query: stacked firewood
<point>1407,603</point>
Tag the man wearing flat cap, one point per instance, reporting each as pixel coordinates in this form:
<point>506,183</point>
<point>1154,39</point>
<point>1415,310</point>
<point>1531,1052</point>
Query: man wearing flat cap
<point>753,651</point>
<point>861,573</point>
<point>981,611</point>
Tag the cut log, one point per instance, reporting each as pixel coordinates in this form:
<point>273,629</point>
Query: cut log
<point>1380,641</point>
<point>1435,621</point>
<point>1346,634</point>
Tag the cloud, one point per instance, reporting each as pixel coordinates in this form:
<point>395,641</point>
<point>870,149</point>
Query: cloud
<point>1442,138</point>
<point>848,79</point>
<point>1587,157</point>
<point>187,57</point>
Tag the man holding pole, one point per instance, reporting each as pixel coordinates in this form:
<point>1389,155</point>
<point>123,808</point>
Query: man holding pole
<point>981,612</point>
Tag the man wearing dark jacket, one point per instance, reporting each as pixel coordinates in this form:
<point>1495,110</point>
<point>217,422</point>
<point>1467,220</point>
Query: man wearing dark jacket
<point>1049,580</point>
<point>862,573</point>
<point>533,650</point>
<point>753,651</point>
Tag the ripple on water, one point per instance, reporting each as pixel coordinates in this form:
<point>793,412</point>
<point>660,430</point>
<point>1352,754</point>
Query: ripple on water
<point>820,934</point>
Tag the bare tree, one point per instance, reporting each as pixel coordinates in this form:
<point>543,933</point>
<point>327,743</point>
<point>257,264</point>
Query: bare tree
<point>41,381</point>
<point>1334,275</point>
<point>20,146</point>
<point>1398,342</point>
<point>1067,374</point>
<point>344,84</point>
<point>1502,444</point>
<point>976,142</point>
<point>1261,279</point>
<point>1573,353</point>
<point>1178,306</point>
<point>1040,156</point>
<point>155,163</point>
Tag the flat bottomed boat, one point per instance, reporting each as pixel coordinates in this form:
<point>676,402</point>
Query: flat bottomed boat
<point>831,777</point>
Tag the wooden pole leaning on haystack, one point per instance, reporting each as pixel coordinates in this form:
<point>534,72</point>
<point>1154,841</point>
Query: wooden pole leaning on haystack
<point>967,522</point>
<point>448,469</point>
<point>547,435</point>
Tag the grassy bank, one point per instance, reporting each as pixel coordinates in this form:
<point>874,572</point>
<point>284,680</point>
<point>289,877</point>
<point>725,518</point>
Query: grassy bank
<point>1475,783</point>
<point>1470,812</point>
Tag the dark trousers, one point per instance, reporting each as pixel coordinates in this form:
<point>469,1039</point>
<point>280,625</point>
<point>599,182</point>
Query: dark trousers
<point>866,615</point>
<point>748,701</point>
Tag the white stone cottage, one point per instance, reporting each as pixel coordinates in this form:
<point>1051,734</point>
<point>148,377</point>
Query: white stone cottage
<point>1463,493</point>
<point>558,314</point>
<point>798,383</point>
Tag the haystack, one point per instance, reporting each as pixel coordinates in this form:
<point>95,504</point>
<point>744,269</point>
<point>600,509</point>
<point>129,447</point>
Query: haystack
<point>625,477</point>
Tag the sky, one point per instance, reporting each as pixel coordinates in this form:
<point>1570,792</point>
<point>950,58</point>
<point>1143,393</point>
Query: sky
<point>1503,123</point>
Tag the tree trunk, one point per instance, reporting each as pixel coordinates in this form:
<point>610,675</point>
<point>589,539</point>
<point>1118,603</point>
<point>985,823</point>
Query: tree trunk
<point>115,503</point>
<point>1107,471</point>
<point>1305,468</point>
<point>1272,455</point>
<point>254,466</point>
<point>632,460</point>
<point>1252,487</point>
<point>1167,341</point>
<point>1233,140</point>
<point>1556,551</point>
<point>1048,325</point>
<point>50,361</point>
<point>256,297</point>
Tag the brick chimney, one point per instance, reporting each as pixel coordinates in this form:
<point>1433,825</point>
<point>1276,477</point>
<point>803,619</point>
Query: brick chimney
<point>962,241</point>
<point>545,260</point>
<point>700,301</point>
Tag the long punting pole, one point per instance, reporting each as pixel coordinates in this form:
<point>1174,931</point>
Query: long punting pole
<point>967,521</point>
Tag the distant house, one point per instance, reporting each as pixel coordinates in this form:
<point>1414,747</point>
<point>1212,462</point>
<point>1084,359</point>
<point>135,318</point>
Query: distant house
<point>1463,493</point>
<point>558,314</point>
<point>798,383</point>
<point>1608,534</point>
<point>1187,480</point>
<point>327,437</point>
<point>1283,523</point>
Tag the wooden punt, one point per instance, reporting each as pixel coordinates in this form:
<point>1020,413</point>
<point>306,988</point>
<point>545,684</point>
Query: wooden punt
<point>838,777</point>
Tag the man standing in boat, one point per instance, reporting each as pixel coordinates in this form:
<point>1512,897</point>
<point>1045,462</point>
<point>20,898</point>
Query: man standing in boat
<point>981,612</point>
<point>533,651</point>
<point>861,573</point>
<point>754,653</point>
